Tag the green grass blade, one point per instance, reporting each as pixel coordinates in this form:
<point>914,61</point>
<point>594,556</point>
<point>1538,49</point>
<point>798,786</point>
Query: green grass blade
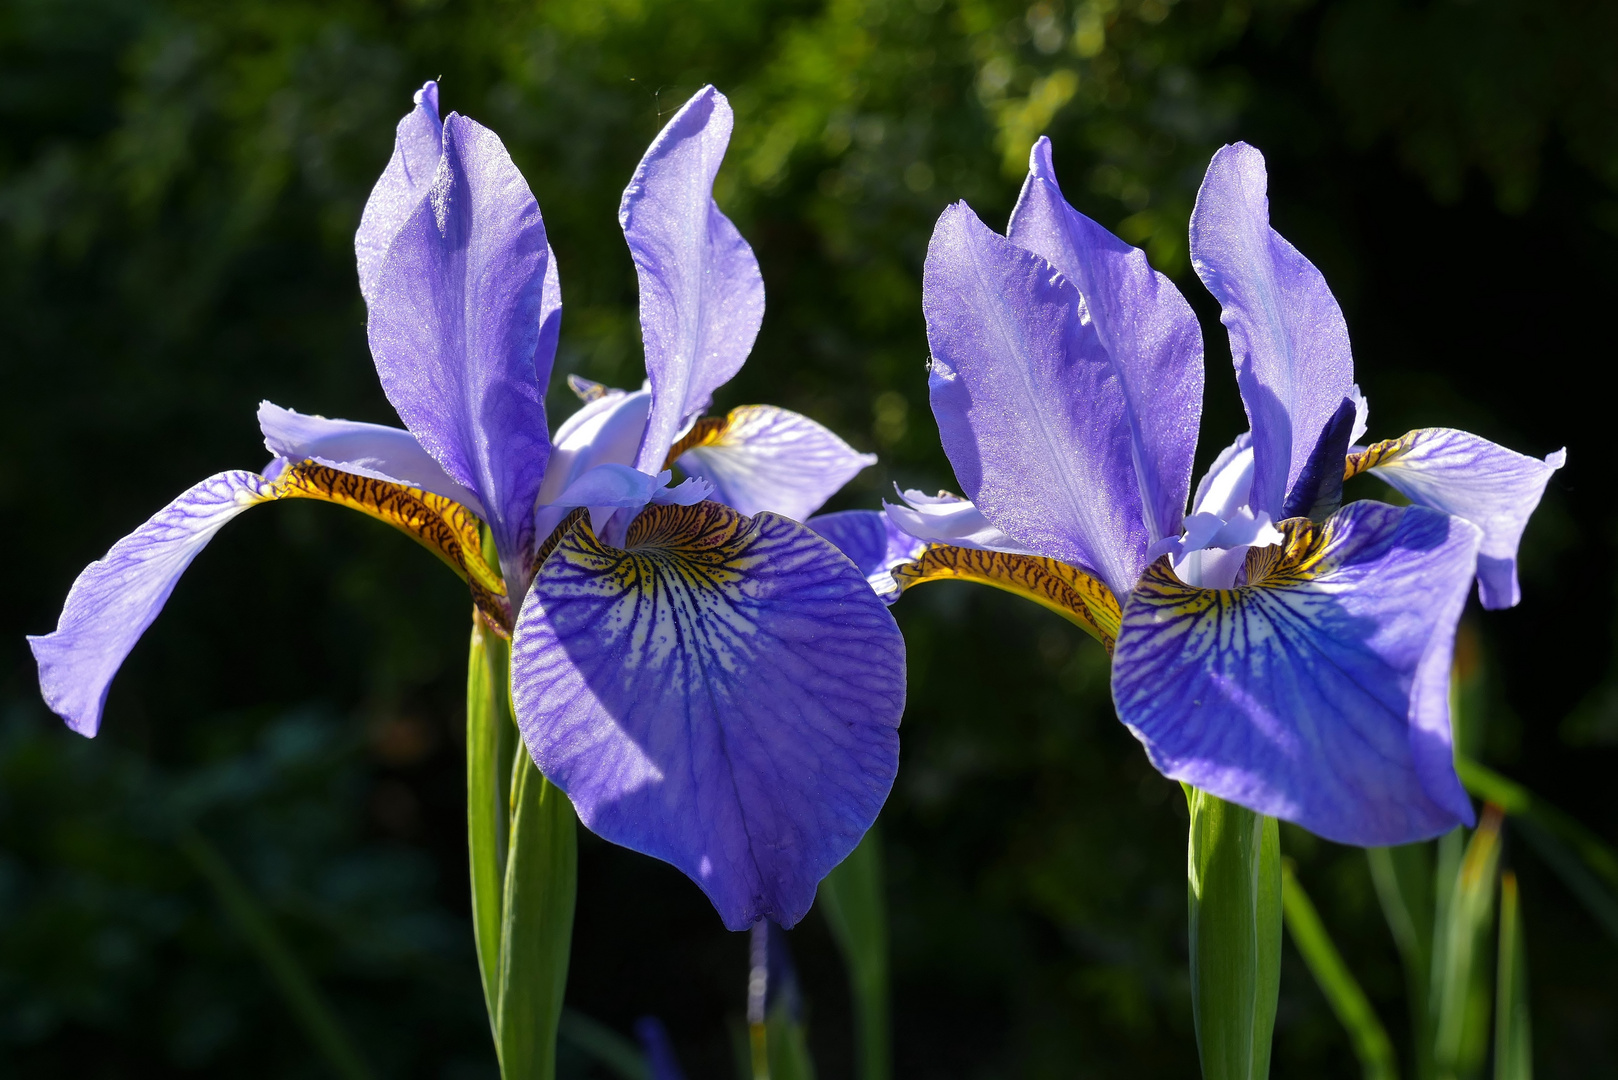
<point>618,1054</point>
<point>853,899</point>
<point>1587,866</point>
<point>1370,1039</point>
<point>1234,893</point>
<point>788,1047</point>
<point>303,998</point>
<point>1404,885</point>
<point>491,739</point>
<point>1513,1044</point>
<point>1461,973</point>
<point>537,924</point>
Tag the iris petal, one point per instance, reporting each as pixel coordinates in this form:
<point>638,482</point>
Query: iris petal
<point>1146,326</point>
<point>1319,692</point>
<point>457,322</point>
<point>1028,403</point>
<point>701,295</point>
<point>764,458</point>
<point>1070,592</point>
<point>402,187</point>
<point>1459,473</point>
<point>117,597</point>
<point>872,542</point>
<point>723,694</point>
<point>1287,334</point>
<point>374,450</point>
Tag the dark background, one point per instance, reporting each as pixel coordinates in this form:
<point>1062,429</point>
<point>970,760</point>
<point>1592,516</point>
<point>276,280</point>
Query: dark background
<point>179,185</point>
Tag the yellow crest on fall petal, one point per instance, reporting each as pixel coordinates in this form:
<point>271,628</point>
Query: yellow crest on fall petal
<point>1066,590</point>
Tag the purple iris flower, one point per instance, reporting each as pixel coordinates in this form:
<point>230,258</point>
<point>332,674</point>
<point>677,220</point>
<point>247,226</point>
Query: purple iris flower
<point>710,681</point>
<point>1275,647</point>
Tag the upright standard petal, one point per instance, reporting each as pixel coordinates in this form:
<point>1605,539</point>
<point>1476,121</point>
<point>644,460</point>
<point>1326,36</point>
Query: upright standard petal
<point>763,458</point>
<point>1317,693</point>
<point>116,598</point>
<point>374,450</point>
<point>403,186</point>
<point>873,543</point>
<point>455,329</point>
<point>1494,488</point>
<point>723,693</point>
<point>1287,334</point>
<point>1029,406</point>
<point>1146,327</point>
<point>701,296</point>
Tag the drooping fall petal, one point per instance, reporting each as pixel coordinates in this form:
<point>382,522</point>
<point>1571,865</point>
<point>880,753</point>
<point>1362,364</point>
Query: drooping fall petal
<point>723,693</point>
<point>1317,693</point>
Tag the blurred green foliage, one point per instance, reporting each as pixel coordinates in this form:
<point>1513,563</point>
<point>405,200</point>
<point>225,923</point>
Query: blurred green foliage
<point>179,184</point>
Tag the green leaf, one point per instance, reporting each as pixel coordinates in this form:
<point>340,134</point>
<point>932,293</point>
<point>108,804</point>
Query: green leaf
<point>1513,1046</point>
<point>1461,940</point>
<point>1234,892</point>
<point>303,998</point>
<point>1588,867</point>
<point>491,740</point>
<point>1371,1043</point>
<point>854,902</point>
<point>536,925</point>
<point>1404,885</point>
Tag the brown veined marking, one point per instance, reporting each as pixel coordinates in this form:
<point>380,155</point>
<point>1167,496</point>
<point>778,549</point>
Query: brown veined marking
<point>1303,554</point>
<point>1377,454</point>
<point>705,432</point>
<point>706,546</point>
<point>1066,590</point>
<point>443,526</point>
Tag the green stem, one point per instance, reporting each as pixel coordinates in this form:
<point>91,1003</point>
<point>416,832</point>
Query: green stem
<point>1234,893</point>
<point>307,1004</point>
<point>491,739</point>
<point>536,925</point>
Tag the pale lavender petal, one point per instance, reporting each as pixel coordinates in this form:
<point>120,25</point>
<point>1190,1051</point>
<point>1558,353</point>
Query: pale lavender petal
<point>1494,488</point>
<point>611,485</point>
<point>1142,321</point>
<point>772,459</point>
<point>1028,403</point>
<point>701,296</point>
<point>724,695</point>
<point>1287,334</point>
<point>455,329</point>
<point>873,543</point>
<point>948,519</point>
<point>374,450</point>
<point>115,599</point>
<point>417,146</point>
<point>1320,694</point>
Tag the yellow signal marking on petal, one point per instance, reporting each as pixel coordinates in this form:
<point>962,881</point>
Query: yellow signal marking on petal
<point>705,432</point>
<point>1066,590</point>
<point>1305,553</point>
<point>441,525</point>
<point>1379,454</point>
<point>682,570</point>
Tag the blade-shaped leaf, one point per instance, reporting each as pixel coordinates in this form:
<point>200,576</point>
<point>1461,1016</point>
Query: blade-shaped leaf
<point>1404,884</point>
<point>537,923</point>
<point>1586,866</point>
<point>1513,1046</point>
<point>1234,893</point>
<point>854,900</point>
<point>1370,1039</point>
<point>491,739</point>
<point>1462,940</point>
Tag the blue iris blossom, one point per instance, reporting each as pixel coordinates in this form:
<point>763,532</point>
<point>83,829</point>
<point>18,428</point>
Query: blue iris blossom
<point>1274,647</point>
<point>708,680</point>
